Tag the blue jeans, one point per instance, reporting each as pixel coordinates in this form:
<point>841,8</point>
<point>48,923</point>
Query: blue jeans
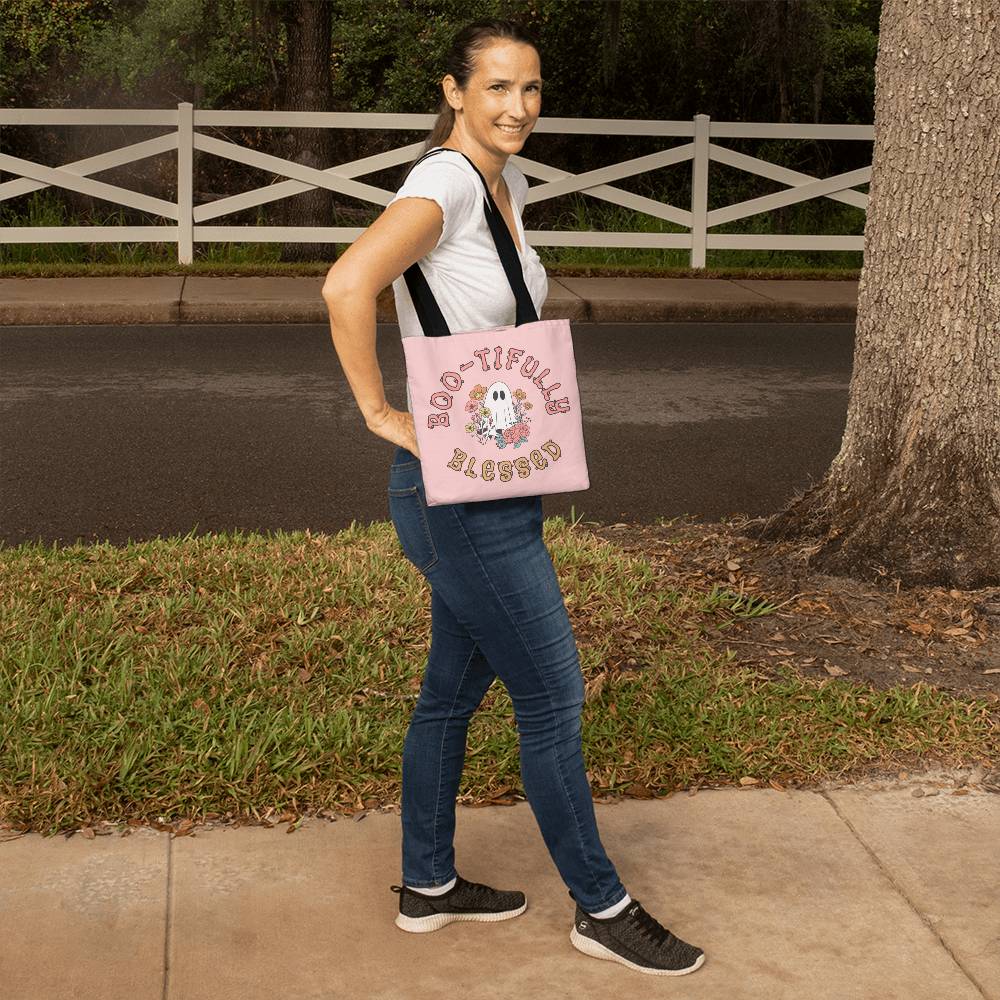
<point>496,611</point>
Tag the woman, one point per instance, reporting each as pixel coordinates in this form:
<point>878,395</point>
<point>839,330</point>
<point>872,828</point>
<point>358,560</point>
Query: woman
<point>496,606</point>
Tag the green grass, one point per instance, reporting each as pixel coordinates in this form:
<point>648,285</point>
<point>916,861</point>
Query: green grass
<point>60,269</point>
<point>233,673</point>
<point>44,208</point>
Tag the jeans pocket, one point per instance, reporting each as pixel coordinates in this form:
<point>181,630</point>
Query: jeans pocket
<point>409,517</point>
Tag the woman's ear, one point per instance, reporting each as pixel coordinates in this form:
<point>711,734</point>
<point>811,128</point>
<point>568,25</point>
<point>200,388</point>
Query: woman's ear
<point>452,94</point>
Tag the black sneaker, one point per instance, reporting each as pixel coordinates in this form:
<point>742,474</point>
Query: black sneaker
<point>463,901</point>
<point>635,939</point>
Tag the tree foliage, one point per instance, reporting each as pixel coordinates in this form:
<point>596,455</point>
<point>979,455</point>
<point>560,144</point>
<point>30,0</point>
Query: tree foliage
<point>739,60</point>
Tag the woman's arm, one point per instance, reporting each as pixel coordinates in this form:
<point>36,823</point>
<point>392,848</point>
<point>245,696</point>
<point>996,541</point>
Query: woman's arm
<point>406,231</point>
<point>352,327</point>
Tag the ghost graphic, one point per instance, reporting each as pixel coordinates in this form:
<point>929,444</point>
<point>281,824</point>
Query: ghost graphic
<point>500,403</point>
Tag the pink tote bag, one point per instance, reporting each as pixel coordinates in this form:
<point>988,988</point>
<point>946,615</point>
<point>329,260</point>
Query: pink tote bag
<point>496,412</point>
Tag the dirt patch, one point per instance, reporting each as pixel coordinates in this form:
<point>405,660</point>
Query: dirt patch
<point>873,632</point>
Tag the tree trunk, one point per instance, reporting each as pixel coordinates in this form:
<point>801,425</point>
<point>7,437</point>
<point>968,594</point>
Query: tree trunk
<point>785,39</point>
<point>915,489</point>
<point>611,41</point>
<point>308,88</point>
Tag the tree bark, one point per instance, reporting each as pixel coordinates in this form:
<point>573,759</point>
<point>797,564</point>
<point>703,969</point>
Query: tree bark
<point>611,41</point>
<point>308,88</point>
<point>915,489</point>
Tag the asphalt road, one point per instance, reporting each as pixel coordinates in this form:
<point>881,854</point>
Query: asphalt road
<point>117,433</point>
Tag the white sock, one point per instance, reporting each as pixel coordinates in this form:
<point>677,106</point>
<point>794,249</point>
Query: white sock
<point>437,890</point>
<point>613,911</point>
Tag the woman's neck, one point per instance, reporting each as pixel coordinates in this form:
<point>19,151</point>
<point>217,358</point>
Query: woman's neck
<point>491,174</point>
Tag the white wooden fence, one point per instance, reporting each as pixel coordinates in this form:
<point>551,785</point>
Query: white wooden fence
<point>189,221</point>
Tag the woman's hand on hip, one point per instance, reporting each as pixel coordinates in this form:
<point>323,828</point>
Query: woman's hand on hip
<point>396,426</point>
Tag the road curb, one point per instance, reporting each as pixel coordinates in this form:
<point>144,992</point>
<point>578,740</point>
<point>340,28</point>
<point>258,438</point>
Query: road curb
<point>195,300</point>
<point>129,314</point>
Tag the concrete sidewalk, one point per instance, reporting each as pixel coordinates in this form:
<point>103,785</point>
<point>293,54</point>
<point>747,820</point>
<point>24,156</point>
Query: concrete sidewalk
<point>192,299</point>
<point>888,890</point>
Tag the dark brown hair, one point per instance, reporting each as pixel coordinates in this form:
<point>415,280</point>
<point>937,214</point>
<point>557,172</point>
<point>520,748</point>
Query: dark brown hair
<point>460,62</point>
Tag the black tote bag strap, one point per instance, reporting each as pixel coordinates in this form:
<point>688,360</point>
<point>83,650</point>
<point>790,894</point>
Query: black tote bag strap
<point>431,318</point>
<point>504,243</point>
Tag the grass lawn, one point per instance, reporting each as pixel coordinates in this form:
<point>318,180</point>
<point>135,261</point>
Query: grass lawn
<point>239,674</point>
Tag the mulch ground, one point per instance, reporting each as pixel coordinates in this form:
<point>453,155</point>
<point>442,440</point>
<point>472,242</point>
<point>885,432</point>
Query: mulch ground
<point>873,632</point>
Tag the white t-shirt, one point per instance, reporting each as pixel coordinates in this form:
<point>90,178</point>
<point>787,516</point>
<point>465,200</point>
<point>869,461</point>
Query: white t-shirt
<point>464,270</point>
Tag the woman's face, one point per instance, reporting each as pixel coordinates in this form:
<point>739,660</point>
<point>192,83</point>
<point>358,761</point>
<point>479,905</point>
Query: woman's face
<point>505,89</point>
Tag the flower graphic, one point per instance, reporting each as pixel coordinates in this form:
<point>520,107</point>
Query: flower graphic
<point>481,419</point>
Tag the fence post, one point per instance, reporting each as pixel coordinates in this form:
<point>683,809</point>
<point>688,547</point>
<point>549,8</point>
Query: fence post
<point>185,182</point>
<point>699,191</point>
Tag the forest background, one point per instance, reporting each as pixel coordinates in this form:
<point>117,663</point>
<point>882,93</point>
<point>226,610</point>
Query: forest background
<point>735,60</point>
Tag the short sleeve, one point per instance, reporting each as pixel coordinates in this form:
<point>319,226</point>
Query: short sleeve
<point>452,187</point>
<point>518,188</point>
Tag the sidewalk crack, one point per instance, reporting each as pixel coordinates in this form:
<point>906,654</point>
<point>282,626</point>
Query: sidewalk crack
<point>899,889</point>
<point>169,917</point>
<point>752,291</point>
<point>180,298</point>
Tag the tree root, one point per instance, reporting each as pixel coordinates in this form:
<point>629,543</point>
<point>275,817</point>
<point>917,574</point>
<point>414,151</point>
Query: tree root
<point>877,537</point>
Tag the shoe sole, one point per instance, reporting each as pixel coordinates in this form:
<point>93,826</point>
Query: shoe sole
<point>597,950</point>
<point>435,921</point>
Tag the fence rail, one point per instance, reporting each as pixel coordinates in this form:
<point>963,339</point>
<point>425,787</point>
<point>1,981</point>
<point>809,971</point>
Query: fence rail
<point>189,220</point>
